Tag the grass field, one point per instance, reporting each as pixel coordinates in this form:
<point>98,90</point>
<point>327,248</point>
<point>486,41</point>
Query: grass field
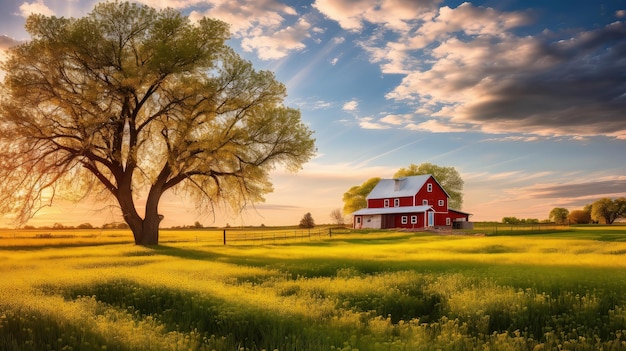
<point>94,290</point>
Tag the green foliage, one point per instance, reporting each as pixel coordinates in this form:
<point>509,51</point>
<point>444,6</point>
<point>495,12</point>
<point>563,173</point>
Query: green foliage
<point>354,198</point>
<point>559,215</point>
<point>607,210</point>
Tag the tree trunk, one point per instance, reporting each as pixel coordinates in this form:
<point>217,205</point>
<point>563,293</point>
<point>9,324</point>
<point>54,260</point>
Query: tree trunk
<point>146,230</point>
<point>148,233</point>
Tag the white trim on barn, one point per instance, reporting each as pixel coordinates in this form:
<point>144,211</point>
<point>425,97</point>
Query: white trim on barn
<point>372,218</point>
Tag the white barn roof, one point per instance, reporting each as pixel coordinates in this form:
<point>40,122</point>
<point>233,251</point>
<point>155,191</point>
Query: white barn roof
<point>401,187</point>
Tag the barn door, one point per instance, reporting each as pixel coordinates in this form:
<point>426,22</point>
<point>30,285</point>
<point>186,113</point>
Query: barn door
<point>431,218</point>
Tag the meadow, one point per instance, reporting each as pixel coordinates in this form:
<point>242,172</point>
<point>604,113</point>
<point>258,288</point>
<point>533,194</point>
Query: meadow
<point>563,289</point>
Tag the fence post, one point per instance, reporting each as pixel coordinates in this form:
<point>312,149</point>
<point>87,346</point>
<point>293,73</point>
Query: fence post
<point>224,236</point>
<point>330,232</point>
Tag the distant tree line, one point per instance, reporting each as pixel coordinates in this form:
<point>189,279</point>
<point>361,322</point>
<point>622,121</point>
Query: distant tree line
<point>604,211</point>
<point>515,220</point>
<point>111,225</point>
<point>61,226</point>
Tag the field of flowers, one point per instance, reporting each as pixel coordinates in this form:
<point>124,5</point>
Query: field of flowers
<point>356,291</point>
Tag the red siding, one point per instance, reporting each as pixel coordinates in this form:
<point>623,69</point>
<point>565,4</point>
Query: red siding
<point>406,201</point>
<point>440,218</point>
<point>433,196</point>
<point>380,203</point>
<point>409,225</point>
<point>375,203</point>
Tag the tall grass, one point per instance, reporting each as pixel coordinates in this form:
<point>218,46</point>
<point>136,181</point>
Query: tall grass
<point>376,291</point>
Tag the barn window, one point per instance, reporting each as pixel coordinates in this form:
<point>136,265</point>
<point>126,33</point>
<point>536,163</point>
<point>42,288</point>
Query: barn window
<point>425,202</point>
<point>396,202</point>
<point>429,188</point>
<point>386,203</point>
<point>404,219</point>
<point>413,219</point>
<point>440,202</point>
<point>448,221</point>
<point>358,220</point>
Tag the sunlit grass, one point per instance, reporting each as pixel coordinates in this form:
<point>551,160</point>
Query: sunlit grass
<point>371,291</point>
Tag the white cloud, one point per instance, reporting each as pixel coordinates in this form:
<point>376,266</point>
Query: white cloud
<point>338,40</point>
<point>437,126</point>
<point>350,105</point>
<point>393,14</point>
<point>247,15</point>
<point>311,103</point>
<point>266,27</point>
<point>396,119</point>
<point>369,123</point>
<point>347,14</point>
<point>321,105</point>
<point>280,43</point>
<point>35,7</point>
<point>467,19</point>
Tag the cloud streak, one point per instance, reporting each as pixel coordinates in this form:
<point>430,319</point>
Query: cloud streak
<point>598,189</point>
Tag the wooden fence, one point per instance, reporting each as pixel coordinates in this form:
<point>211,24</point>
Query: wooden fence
<point>256,237</point>
<point>490,228</point>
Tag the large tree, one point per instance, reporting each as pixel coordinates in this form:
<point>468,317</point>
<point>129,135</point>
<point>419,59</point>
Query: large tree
<point>608,210</point>
<point>355,198</point>
<point>130,102</point>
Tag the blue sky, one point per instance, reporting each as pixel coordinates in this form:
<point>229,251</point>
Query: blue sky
<point>527,99</point>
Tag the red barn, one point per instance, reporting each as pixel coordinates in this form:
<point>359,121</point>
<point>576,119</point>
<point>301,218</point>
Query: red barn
<point>415,202</point>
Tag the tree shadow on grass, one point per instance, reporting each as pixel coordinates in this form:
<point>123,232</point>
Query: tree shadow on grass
<point>313,267</point>
<point>42,332</point>
<point>189,254</point>
<point>250,326</point>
